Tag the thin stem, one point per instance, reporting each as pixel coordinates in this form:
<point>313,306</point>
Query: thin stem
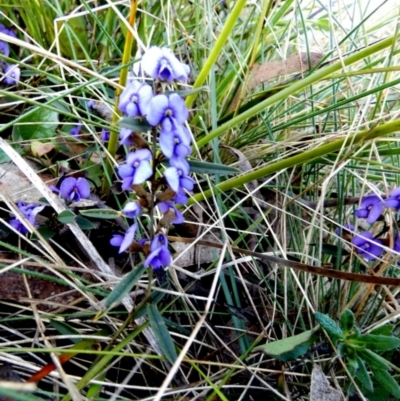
<point>113,142</point>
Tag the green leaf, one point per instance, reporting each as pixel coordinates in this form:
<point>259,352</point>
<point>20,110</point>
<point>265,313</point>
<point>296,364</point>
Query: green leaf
<point>65,329</point>
<point>66,217</point>
<point>387,381</point>
<point>36,123</point>
<point>84,224</point>
<point>161,332</point>
<point>289,348</point>
<point>45,231</point>
<point>134,124</point>
<point>385,330</point>
<point>74,37</point>
<point>185,93</point>
<point>101,213</point>
<point>347,320</point>
<point>376,342</point>
<point>121,289</point>
<point>331,327</point>
<point>201,167</point>
<point>373,360</point>
<point>363,375</point>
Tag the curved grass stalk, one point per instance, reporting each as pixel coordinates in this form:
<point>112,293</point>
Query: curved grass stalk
<point>300,159</point>
<point>296,87</point>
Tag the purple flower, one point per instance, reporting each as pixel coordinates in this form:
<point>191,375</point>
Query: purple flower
<point>132,209</point>
<point>105,135</point>
<point>124,241</point>
<point>7,31</point>
<point>367,246</point>
<point>165,207</point>
<point>161,63</point>
<point>125,137</point>
<point>177,175</point>
<point>75,189</point>
<point>159,255</point>
<point>180,198</point>
<point>394,199</point>
<point>76,130</point>
<point>12,74</point>
<point>175,143</point>
<point>170,112</point>
<point>371,208</point>
<point>29,211</point>
<point>396,243</point>
<point>137,168</point>
<point>135,99</point>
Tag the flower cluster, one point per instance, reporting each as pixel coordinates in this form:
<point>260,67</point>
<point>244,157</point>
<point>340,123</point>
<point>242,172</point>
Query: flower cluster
<point>29,211</point>
<point>167,115</point>
<point>372,208</point>
<point>11,71</point>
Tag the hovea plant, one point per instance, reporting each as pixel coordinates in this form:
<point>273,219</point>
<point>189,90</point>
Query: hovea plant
<point>157,181</point>
<point>361,353</point>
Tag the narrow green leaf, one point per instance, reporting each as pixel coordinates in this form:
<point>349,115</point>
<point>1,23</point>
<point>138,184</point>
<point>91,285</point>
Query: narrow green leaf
<point>331,327</point>
<point>387,381</point>
<point>37,123</point>
<point>65,329</point>
<point>134,124</point>
<point>347,320</point>
<point>101,213</point>
<point>373,360</point>
<point>161,332</point>
<point>289,348</point>
<point>385,330</point>
<point>66,217</point>
<point>84,224</point>
<point>201,167</point>
<point>363,375</point>
<point>122,288</point>
<point>185,93</point>
<point>376,342</point>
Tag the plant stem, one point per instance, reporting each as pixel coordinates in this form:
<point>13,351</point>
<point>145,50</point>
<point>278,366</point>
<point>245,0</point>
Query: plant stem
<point>113,142</point>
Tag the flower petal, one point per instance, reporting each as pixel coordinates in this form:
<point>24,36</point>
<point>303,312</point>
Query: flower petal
<point>128,238</point>
<point>151,60</point>
<point>156,109</point>
<point>171,174</point>
<point>142,173</point>
<point>67,187</point>
<point>83,187</point>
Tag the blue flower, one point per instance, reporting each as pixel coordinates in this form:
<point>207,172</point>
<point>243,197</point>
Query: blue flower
<point>12,74</point>
<point>159,254</point>
<point>105,135</point>
<point>125,137</point>
<point>177,175</point>
<point>161,63</point>
<point>4,46</point>
<point>29,211</point>
<point>124,241</point>
<point>75,189</point>
<point>168,206</point>
<point>135,99</point>
<point>170,112</point>
<point>175,143</point>
<point>371,208</point>
<point>137,168</point>
<point>367,246</point>
<point>76,130</point>
<point>394,199</point>
<point>132,209</point>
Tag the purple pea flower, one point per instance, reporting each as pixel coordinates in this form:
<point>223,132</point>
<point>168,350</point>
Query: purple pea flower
<point>7,31</point>
<point>29,211</point>
<point>371,208</point>
<point>137,168</point>
<point>159,255</point>
<point>75,189</point>
<point>105,135</point>
<point>12,74</point>
<point>165,207</point>
<point>135,99</point>
<point>180,198</point>
<point>76,130</point>
<point>125,137</point>
<point>367,246</point>
<point>161,63</point>
<point>175,143</point>
<point>132,210</point>
<point>170,112</point>
<point>396,243</point>
<point>394,199</point>
<point>177,175</point>
<point>124,241</point>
